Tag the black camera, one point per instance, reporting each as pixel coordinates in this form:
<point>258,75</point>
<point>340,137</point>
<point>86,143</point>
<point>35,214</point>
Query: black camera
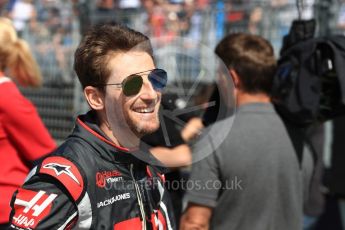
<point>309,85</point>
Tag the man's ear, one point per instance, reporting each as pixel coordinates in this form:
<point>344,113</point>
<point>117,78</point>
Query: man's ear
<point>235,78</point>
<point>94,97</point>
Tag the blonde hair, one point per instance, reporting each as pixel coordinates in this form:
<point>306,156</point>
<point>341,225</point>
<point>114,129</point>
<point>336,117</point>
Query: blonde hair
<point>15,56</point>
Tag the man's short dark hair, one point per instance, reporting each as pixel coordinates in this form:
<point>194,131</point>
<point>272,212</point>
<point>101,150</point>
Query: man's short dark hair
<point>93,54</point>
<point>252,57</point>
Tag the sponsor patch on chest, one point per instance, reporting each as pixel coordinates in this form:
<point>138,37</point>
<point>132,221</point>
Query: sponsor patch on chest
<point>112,200</point>
<point>106,177</point>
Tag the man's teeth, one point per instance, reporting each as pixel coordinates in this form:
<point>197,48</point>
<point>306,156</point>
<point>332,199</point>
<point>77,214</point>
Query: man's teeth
<point>146,110</point>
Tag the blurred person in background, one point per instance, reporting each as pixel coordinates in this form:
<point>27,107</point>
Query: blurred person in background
<point>254,179</point>
<point>335,179</point>
<point>82,10</point>
<point>6,6</point>
<point>105,5</point>
<point>128,10</point>
<point>333,215</point>
<point>23,136</point>
<point>23,13</point>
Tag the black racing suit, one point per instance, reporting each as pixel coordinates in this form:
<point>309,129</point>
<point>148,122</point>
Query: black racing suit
<point>89,183</point>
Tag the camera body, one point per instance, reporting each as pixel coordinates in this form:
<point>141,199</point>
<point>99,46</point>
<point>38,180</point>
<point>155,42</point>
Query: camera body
<point>309,85</point>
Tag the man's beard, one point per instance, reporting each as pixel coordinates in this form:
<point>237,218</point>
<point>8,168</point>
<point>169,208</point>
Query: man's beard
<point>141,129</point>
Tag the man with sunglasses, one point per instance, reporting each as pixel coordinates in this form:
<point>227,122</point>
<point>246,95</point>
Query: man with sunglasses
<point>99,178</point>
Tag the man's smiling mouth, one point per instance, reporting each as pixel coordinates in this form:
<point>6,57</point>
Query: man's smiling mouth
<point>144,110</point>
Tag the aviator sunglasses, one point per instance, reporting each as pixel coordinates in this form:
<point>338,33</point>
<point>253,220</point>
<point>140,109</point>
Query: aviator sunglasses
<point>132,84</point>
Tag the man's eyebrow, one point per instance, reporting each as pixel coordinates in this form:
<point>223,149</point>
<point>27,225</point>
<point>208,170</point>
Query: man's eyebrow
<point>142,72</point>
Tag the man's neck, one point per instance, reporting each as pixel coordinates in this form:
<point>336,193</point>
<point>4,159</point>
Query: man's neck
<point>127,141</point>
<point>246,98</point>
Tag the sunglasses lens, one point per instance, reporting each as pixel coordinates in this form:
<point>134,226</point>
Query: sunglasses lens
<point>132,85</point>
<point>158,79</point>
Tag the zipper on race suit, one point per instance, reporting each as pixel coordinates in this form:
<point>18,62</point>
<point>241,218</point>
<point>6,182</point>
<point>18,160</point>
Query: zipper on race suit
<point>140,199</point>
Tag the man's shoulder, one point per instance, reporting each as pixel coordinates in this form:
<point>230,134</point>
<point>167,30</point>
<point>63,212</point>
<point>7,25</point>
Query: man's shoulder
<point>258,116</point>
<point>256,109</point>
<point>59,184</point>
<point>74,149</point>
<point>67,172</point>
<point>65,166</point>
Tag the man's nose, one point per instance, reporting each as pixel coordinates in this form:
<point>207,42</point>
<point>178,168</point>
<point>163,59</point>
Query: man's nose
<point>147,92</point>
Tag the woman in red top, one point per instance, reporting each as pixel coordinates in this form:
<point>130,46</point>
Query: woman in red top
<point>23,136</point>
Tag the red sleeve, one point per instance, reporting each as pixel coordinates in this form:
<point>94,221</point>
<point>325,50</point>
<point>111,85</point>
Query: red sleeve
<point>24,127</point>
<point>42,205</point>
<point>50,197</point>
